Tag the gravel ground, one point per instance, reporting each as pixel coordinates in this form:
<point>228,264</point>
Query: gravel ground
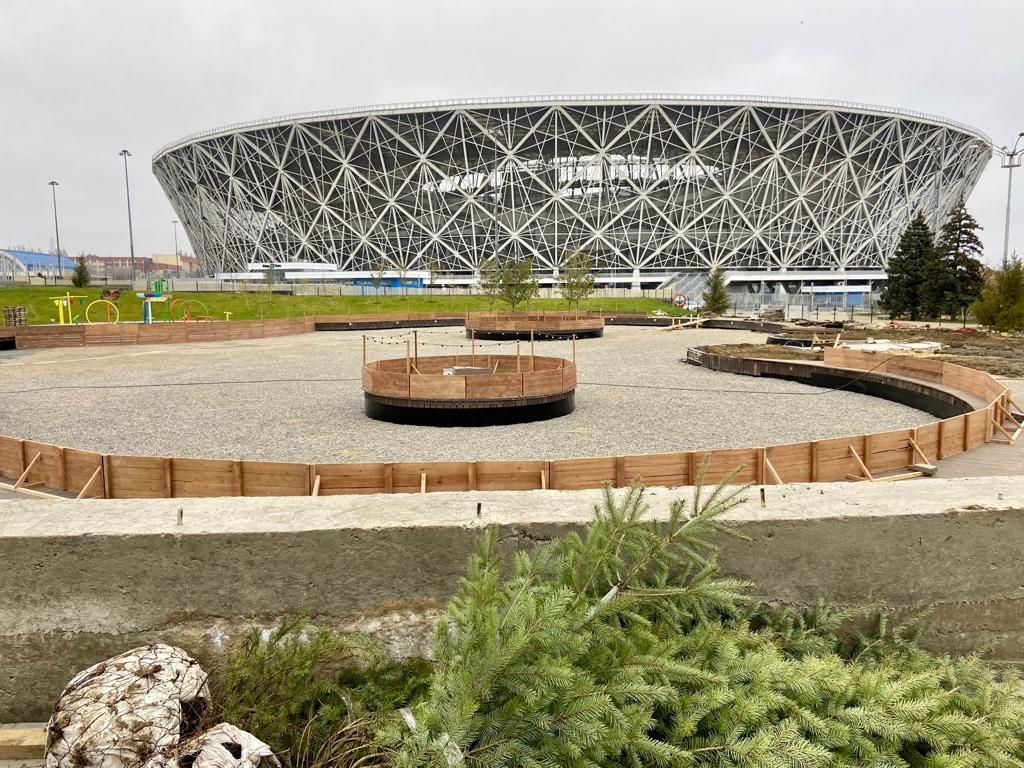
<point>299,398</point>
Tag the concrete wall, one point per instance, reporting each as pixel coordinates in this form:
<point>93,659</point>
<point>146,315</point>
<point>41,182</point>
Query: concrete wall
<point>82,583</point>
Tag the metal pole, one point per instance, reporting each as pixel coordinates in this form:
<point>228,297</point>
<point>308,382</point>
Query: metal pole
<point>56,229</point>
<point>1009,193</point>
<point>177,261</point>
<point>128,196</point>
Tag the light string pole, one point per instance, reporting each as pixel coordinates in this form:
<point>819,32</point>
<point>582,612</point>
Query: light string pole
<point>56,230</point>
<point>128,196</point>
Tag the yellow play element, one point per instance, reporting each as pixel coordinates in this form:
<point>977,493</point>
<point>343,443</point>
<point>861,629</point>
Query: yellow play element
<point>64,301</point>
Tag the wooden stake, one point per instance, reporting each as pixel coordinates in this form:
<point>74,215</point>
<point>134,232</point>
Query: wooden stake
<point>364,349</point>
<point>518,369</point>
<point>408,362</point>
<point>423,482</point>
<point>316,486</point>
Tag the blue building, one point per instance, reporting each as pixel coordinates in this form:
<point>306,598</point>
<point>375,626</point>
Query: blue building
<point>16,264</point>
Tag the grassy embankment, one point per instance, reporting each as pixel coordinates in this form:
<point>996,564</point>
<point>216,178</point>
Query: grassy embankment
<point>257,304</point>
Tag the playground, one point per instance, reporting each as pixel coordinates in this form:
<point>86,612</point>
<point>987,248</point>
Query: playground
<point>299,398</point>
<point>257,304</point>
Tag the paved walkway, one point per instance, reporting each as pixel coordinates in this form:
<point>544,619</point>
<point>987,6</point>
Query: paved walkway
<point>993,459</point>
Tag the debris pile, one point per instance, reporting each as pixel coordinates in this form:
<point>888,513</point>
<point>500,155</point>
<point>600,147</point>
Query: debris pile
<point>144,709</point>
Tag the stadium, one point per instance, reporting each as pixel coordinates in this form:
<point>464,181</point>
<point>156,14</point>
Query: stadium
<point>657,188</point>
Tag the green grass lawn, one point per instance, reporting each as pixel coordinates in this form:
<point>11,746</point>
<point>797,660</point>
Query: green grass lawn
<point>257,304</point>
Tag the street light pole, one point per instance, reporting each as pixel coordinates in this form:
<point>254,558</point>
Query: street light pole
<point>1010,160</point>
<point>177,261</point>
<point>128,195</point>
<point>56,229</point>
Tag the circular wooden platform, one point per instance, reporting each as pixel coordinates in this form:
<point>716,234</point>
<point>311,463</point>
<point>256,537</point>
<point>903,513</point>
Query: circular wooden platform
<point>539,325</point>
<point>469,390</point>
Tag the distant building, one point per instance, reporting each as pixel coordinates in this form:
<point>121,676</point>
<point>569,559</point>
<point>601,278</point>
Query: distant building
<point>119,267</point>
<point>21,265</point>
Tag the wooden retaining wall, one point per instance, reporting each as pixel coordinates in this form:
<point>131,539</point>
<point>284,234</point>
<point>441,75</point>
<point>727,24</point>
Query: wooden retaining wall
<point>514,376</point>
<point>85,335</point>
<point>123,477</point>
<point>538,322</point>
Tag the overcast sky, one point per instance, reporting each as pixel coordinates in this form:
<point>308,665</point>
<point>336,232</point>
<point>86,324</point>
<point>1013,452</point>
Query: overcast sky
<point>80,80</point>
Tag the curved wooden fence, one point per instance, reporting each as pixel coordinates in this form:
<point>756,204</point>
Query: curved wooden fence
<point>512,376</point>
<point>113,476</point>
<point>536,322</point>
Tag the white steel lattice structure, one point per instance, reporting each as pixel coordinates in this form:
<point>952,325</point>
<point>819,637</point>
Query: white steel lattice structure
<point>651,185</point>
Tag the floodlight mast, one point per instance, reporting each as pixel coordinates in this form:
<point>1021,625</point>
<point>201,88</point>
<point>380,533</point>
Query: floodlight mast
<point>56,230</point>
<point>1010,160</point>
<point>128,195</point>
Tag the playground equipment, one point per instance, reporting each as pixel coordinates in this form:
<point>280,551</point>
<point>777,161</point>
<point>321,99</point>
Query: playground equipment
<point>109,306</point>
<point>188,309</point>
<point>65,302</point>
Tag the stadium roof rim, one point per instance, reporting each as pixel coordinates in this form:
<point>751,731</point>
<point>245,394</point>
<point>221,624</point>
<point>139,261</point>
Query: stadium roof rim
<point>580,99</point>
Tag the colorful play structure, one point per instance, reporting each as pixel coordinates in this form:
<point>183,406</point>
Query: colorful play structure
<point>176,310</point>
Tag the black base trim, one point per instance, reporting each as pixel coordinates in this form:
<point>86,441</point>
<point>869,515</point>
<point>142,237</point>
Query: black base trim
<point>468,413</point>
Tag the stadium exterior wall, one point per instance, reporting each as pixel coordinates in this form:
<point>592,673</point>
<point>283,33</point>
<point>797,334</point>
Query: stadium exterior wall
<point>652,186</point>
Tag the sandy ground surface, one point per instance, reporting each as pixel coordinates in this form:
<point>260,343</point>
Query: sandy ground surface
<point>299,398</point>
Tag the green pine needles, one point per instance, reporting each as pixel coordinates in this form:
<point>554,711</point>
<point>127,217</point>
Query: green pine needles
<point>622,645</point>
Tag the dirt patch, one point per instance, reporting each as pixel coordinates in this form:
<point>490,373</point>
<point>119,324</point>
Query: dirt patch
<point>771,351</point>
<point>990,352</point>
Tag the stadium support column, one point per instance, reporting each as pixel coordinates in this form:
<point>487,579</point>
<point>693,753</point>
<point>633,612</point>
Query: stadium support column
<point>636,279</point>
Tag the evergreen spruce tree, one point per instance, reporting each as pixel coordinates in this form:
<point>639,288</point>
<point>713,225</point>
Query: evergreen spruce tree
<point>81,278</point>
<point>907,269</point>
<point>1002,301</point>
<point>715,299</point>
<point>622,647</point>
<point>959,250</point>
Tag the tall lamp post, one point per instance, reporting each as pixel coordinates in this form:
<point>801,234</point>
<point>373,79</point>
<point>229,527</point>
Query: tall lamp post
<point>177,261</point>
<point>56,229</point>
<point>128,195</point>
<point>1010,160</point>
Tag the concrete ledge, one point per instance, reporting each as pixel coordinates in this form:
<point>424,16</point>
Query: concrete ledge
<point>80,584</point>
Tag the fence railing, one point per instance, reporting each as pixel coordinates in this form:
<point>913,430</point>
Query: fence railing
<point>94,474</point>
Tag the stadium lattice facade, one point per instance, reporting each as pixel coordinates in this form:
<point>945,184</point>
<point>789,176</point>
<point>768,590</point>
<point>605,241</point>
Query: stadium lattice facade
<point>651,186</point>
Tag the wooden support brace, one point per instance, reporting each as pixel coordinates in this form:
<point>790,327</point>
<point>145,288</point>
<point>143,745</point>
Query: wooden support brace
<point>863,466</point>
<point>919,452</point>
<point>423,482</point>
<point>21,480</point>
<point>771,471</point>
<point>88,485</point>
<point>995,423</point>
<point>389,478</point>
<point>316,486</point>
<point>543,480</point>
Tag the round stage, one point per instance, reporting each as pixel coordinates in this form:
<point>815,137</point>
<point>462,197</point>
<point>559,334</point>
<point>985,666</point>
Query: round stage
<point>539,326</point>
<point>468,390</point>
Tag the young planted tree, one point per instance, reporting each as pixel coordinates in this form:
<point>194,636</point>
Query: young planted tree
<point>490,279</point>
<point>1002,300</point>
<point>576,272</point>
<point>81,277</point>
<point>959,251</point>
<point>268,281</point>
<point>434,268</point>
<point>906,271</point>
<point>518,284</point>
<point>715,299</point>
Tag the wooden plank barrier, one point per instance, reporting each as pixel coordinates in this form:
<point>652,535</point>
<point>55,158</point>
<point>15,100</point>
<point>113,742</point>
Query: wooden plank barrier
<point>865,456</point>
